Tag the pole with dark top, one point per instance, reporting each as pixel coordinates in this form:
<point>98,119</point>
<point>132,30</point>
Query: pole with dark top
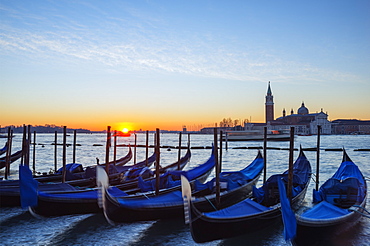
<point>107,146</point>
<point>264,154</point>
<point>179,153</point>
<point>115,147</point>
<point>24,150</point>
<point>146,148</point>
<point>227,141</point>
<point>28,144</point>
<point>290,172</point>
<point>318,157</point>
<point>215,141</point>
<point>64,153</point>
<point>8,152</point>
<point>34,153</point>
<point>157,159</point>
<point>10,146</point>
<point>74,145</point>
<point>135,148</point>
<point>55,151</point>
<point>219,167</point>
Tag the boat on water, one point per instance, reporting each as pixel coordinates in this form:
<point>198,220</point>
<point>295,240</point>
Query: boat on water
<point>251,214</point>
<point>12,158</point>
<point>339,204</point>
<point>129,181</point>
<point>4,149</point>
<point>236,186</point>
<point>76,174</point>
<point>10,191</point>
<point>65,200</point>
<point>255,135</point>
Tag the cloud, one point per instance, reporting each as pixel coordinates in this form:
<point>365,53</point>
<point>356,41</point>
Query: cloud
<point>140,42</point>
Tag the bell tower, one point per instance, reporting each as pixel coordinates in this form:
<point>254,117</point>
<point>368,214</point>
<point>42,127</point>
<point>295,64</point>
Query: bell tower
<point>269,105</point>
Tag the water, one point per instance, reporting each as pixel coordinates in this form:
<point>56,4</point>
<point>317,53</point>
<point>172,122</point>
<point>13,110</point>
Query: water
<point>18,227</point>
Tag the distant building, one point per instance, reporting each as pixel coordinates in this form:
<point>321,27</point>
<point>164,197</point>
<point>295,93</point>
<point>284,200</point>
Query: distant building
<point>269,105</point>
<point>210,130</point>
<point>304,122</point>
<point>346,126</point>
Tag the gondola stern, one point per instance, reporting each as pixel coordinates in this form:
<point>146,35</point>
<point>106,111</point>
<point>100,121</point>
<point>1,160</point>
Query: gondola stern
<point>186,195</point>
<point>259,155</point>
<point>345,156</point>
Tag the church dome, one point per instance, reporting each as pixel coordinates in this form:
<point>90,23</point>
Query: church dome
<point>302,110</point>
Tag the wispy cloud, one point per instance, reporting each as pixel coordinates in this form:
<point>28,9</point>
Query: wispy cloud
<point>146,44</point>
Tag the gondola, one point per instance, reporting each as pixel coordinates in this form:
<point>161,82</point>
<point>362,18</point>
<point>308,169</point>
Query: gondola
<point>79,176</point>
<point>251,214</point>
<point>339,204</point>
<point>235,187</point>
<point>129,181</point>
<point>75,171</point>
<point>9,189</point>
<point>76,174</point>
<point>12,158</point>
<point>80,201</point>
<point>4,149</point>
<point>124,160</point>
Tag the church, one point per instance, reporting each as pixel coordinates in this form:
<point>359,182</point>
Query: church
<point>304,122</point>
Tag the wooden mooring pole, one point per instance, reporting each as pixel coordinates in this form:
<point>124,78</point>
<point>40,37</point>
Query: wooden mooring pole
<point>318,157</point>
<point>74,145</point>
<point>264,154</point>
<point>215,141</point>
<point>115,147</point>
<point>24,151</point>
<point>55,151</point>
<point>290,172</point>
<point>179,153</point>
<point>64,153</point>
<point>135,149</point>
<point>226,141</point>
<point>28,144</point>
<point>8,153</point>
<point>146,148</point>
<point>219,171</point>
<point>107,146</point>
<point>34,153</point>
<point>157,160</point>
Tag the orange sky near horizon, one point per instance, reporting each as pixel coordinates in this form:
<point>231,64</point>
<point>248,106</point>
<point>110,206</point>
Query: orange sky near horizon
<point>151,123</point>
<point>194,119</point>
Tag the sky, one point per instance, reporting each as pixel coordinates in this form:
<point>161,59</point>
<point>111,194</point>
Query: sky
<point>168,64</point>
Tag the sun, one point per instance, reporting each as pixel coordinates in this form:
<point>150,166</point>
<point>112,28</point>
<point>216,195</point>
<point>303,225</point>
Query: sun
<point>125,130</point>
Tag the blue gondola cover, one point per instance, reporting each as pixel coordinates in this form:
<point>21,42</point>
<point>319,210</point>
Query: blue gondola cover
<point>28,187</point>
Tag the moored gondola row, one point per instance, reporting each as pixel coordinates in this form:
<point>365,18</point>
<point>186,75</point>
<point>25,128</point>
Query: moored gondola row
<point>242,208</point>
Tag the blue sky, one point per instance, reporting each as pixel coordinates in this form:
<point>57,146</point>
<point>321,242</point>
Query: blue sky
<point>171,63</point>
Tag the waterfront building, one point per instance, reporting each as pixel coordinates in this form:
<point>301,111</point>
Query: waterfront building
<point>304,122</point>
<point>351,126</point>
<point>269,105</point>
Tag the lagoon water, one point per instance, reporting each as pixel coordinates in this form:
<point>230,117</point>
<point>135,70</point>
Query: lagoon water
<point>19,227</point>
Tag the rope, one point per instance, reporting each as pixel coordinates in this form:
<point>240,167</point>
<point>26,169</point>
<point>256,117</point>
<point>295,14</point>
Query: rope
<point>314,180</point>
<point>211,203</point>
<point>358,206</point>
<point>367,214</point>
